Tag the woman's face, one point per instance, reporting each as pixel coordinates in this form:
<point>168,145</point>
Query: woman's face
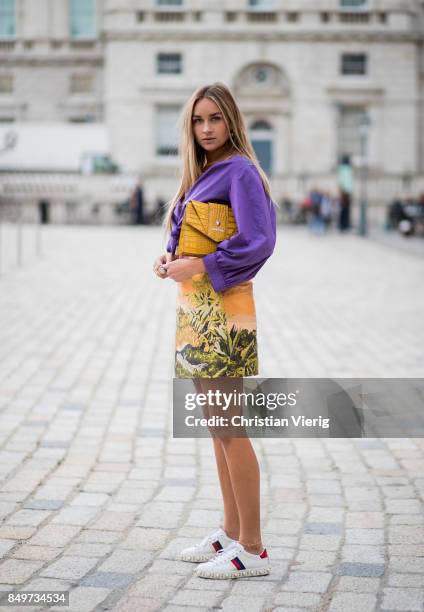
<point>209,127</point>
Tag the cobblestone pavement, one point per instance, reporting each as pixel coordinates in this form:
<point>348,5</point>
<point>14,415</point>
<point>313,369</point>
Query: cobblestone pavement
<point>97,497</point>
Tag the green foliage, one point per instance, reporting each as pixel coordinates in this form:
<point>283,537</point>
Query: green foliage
<point>223,352</point>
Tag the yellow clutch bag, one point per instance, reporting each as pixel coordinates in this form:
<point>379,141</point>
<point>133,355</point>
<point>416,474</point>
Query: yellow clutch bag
<point>205,224</point>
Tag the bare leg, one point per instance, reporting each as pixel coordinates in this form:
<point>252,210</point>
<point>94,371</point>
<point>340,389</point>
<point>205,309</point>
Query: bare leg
<point>239,477</point>
<point>244,473</point>
<point>231,524</point>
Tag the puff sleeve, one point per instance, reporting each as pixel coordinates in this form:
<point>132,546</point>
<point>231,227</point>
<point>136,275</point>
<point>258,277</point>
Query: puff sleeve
<point>239,258</point>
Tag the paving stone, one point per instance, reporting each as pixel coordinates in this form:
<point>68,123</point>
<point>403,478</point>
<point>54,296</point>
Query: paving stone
<point>44,504</point>
<point>407,564</point>
<point>406,506</point>
<point>237,603</point>
<point>210,584</point>
<point>302,600</point>
<point>85,599</point>
<point>5,547</point>
<point>352,602</point>
<point>177,567</point>
<point>132,561</point>
<point>153,585</point>
<point>405,534</point>
<point>47,584</point>
<point>283,526</point>
<point>133,604</point>
<point>360,569</point>
<point>308,582</point>
<point>358,585</point>
<point>362,553</point>
<point>54,535</point>
<point>406,519</point>
<point>148,538</point>
<point>244,588</point>
<point>326,515</point>
<point>195,598</point>
<point>403,599</point>
<point>101,537</point>
<point>323,528</point>
<point>88,549</point>
<point>17,571</point>
<point>405,550</point>
<point>364,536</point>
<point>13,532</point>
<point>315,560</point>
<point>320,542</point>
<point>90,499</point>
<point>406,580</point>
<point>284,609</point>
<point>75,515</point>
<point>113,521</point>
<point>366,520</point>
<point>112,580</point>
<point>38,553</point>
<point>282,553</point>
<point>69,568</point>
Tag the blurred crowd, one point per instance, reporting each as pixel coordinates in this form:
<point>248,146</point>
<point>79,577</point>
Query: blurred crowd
<point>320,210</point>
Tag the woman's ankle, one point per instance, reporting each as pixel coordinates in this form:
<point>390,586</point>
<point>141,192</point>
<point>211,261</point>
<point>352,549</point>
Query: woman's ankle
<point>232,533</point>
<point>253,548</point>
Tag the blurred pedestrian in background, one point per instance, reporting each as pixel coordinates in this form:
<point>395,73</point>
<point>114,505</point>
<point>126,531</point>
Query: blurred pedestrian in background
<point>137,206</point>
<point>344,211</point>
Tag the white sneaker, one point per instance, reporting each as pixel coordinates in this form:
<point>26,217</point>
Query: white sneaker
<point>235,562</point>
<point>208,547</point>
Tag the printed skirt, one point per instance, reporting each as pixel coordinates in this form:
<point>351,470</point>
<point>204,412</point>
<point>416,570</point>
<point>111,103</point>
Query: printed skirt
<point>216,332</point>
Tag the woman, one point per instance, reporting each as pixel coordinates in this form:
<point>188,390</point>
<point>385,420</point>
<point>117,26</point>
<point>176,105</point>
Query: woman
<point>216,321</point>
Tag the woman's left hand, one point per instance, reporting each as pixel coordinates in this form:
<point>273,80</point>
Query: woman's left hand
<point>183,269</point>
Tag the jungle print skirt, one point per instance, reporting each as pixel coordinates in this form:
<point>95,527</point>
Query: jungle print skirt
<point>216,332</point>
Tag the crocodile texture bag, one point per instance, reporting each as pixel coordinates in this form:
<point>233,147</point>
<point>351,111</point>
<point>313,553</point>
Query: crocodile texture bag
<point>205,224</point>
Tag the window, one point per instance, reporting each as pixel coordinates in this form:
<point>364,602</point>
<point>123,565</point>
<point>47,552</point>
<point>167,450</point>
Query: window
<point>169,63</point>
<point>292,17</point>
<point>83,18</point>
<point>167,130</point>
<point>353,63</point>
<point>261,136</point>
<point>6,83</point>
<point>88,118</point>
<point>354,5</point>
<point>261,4</point>
<point>81,83</point>
<point>230,16</point>
<point>349,133</point>
<point>7,19</point>
<point>262,74</point>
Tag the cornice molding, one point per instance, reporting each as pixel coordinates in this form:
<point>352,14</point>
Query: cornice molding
<point>184,35</point>
<point>13,60</point>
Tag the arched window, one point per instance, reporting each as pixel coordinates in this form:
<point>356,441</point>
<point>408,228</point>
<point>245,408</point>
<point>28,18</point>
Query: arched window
<point>261,136</point>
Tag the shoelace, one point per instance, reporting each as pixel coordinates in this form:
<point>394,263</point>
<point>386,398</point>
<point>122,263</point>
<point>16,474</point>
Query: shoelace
<point>226,554</point>
<point>209,539</point>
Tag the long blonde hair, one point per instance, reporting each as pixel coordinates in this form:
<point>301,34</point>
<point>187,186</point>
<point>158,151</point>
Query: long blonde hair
<point>194,156</point>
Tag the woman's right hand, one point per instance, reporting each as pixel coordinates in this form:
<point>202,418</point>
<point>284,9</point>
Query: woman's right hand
<point>157,266</point>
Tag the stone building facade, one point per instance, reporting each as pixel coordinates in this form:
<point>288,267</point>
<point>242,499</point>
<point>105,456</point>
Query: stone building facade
<point>316,79</point>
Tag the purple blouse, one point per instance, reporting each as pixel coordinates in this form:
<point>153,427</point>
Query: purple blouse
<point>240,257</point>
